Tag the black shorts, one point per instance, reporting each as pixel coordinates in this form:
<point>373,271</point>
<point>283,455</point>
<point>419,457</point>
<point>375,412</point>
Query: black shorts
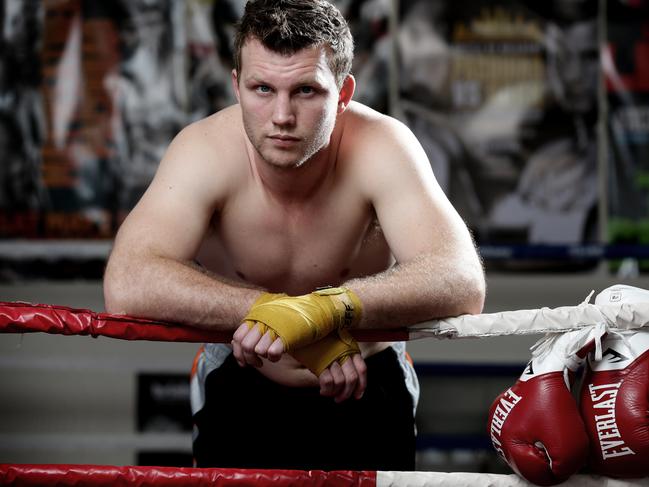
<point>249,421</point>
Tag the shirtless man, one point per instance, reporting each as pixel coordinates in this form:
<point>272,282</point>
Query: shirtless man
<point>294,188</point>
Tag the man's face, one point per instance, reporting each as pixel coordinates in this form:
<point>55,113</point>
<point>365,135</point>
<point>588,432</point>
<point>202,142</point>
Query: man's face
<point>289,103</point>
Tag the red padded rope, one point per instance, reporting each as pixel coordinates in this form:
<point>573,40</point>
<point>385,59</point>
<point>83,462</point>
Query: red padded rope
<point>109,476</point>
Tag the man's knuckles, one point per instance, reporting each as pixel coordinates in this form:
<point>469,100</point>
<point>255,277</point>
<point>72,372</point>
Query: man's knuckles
<point>250,341</point>
<point>326,381</point>
<point>276,349</point>
<point>263,345</point>
<point>241,332</point>
<point>359,364</point>
<point>351,377</point>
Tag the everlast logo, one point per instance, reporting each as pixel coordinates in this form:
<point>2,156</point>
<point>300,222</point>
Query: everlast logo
<point>610,441</point>
<point>505,406</point>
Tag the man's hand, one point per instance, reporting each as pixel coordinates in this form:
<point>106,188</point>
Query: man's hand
<point>303,320</point>
<point>340,381</point>
<point>277,323</point>
<point>249,345</point>
<point>343,381</point>
<point>337,362</point>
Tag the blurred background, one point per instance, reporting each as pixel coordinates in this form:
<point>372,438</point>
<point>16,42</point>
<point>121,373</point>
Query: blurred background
<point>534,115</point>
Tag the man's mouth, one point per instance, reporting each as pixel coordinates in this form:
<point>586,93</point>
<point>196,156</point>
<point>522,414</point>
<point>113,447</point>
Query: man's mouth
<point>281,140</point>
<point>284,137</point>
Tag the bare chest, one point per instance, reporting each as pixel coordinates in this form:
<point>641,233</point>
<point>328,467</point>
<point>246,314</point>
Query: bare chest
<point>294,249</point>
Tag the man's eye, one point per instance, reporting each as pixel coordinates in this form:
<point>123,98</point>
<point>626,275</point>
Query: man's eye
<point>263,89</point>
<point>306,90</point>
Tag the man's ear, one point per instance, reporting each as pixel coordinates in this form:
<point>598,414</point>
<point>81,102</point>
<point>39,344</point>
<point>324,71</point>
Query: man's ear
<point>235,84</point>
<point>346,93</point>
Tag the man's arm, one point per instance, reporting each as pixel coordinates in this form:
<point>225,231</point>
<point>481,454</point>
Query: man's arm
<point>150,271</point>
<point>438,271</point>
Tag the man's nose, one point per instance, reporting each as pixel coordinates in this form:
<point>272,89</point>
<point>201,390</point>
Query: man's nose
<point>283,112</point>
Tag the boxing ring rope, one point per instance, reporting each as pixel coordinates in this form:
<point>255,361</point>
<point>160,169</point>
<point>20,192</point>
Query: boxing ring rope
<point>109,476</point>
<point>21,317</point>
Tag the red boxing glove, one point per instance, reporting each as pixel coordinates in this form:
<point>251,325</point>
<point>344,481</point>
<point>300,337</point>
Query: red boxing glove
<point>535,425</point>
<point>615,397</point>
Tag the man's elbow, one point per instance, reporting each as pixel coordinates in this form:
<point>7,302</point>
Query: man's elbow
<point>115,300</point>
<point>117,295</point>
<point>475,304</point>
<point>113,303</point>
<point>474,296</point>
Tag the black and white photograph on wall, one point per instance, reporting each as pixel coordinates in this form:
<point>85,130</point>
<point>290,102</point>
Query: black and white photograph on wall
<point>625,65</point>
<point>503,96</point>
<point>22,128</point>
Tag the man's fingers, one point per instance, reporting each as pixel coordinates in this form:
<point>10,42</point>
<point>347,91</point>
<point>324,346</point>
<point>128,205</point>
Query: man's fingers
<point>275,350</point>
<point>264,343</point>
<point>238,354</point>
<point>351,381</point>
<point>239,335</point>
<point>249,341</point>
<point>343,381</point>
<point>326,383</point>
<point>248,345</point>
<point>338,376</point>
<point>242,331</point>
<point>333,381</point>
<point>361,370</point>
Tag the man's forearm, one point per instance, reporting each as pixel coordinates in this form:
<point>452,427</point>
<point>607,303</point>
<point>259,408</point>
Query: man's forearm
<point>426,288</point>
<point>165,289</point>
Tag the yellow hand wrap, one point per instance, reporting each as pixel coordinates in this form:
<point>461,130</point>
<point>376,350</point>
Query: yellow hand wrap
<point>302,320</point>
<point>337,346</point>
<point>264,298</point>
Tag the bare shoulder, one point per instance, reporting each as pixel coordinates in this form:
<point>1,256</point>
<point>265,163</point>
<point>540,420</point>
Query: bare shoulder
<point>200,167</point>
<point>208,150</point>
<point>213,137</point>
<point>380,145</point>
<point>361,117</point>
<point>367,131</point>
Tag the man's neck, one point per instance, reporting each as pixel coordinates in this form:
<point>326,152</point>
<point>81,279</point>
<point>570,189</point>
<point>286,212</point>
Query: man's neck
<point>293,184</point>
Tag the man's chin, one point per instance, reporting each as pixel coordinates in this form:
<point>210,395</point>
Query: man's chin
<point>282,162</point>
<point>285,166</point>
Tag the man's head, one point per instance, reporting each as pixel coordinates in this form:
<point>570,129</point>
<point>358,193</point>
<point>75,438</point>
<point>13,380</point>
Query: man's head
<point>288,26</point>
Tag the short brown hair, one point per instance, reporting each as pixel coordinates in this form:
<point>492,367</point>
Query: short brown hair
<point>288,26</point>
